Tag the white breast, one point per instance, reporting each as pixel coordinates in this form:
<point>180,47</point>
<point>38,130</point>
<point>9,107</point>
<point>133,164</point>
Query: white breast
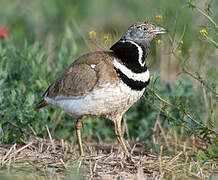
<point>103,101</point>
<point>143,77</point>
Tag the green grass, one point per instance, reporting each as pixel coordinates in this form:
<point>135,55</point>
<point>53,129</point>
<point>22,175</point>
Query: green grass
<point>47,36</point>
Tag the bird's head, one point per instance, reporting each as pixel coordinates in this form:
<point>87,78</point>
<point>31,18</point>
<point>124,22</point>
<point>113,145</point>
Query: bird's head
<point>133,47</point>
<point>143,32</point>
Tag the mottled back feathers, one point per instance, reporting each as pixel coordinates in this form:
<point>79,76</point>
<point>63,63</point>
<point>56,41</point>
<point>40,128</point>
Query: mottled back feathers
<point>90,70</point>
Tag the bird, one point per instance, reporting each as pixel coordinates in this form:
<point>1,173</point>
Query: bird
<point>105,84</point>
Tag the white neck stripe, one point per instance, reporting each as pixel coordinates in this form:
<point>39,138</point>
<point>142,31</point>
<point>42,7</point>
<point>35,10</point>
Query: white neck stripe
<point>140,52</point>
<point>143,77</point>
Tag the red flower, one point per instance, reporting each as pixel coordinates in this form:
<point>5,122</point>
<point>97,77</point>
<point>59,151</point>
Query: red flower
<point>3,33</point>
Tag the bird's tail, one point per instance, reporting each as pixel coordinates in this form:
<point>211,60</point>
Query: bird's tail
<point>41,104</point>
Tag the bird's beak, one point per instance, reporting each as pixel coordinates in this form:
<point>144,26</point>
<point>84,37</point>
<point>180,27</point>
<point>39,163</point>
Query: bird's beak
<point>159,30</point>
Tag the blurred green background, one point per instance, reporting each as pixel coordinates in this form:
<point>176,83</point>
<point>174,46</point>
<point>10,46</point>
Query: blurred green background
<point>45,36</point>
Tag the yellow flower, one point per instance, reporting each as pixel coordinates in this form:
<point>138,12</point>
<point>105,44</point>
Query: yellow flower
<point>203,32</point>
<point>159,17</point>
<point>158,42</point>
<point>105,38</point>
<point>180,42</point>
<point>92,34</point>
<point>179,52</point>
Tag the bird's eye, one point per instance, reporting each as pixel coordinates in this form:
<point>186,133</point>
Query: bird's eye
<point>145,28</point>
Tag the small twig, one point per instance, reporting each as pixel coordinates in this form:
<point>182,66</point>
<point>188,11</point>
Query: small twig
<point>206,107</point>
<point>95,165</point>
<point>99,138</point>
<point>34,132</point>
<point>49,134</point>
<point>5,157</point>
<point>22,148</point>
<point>160,158</point>
<point>175,158</point>
<point>161,129</point>
<point>65,166</point>
<point>90,169</point>
<point>19,150</point>
<point>132,150</point>
<point>79,163</point>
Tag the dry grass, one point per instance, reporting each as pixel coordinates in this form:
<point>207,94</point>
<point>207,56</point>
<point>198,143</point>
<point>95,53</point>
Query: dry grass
<point>50,159</point>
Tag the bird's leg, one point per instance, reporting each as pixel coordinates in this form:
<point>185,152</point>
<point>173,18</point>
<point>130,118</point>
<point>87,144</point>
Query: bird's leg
<point>118,133</point>
<point>78,133</point>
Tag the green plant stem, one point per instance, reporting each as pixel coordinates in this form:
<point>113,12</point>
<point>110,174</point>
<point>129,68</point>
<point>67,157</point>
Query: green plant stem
<point>212,41</point>
<point>200,80</point>
<point>184,112</point>
<point>208,17</point>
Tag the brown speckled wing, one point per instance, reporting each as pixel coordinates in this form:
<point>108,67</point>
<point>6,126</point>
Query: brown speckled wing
<point>81,77</point>
<point>78,80</point>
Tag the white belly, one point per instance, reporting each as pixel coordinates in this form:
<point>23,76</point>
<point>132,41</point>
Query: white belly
<point>108,101</point>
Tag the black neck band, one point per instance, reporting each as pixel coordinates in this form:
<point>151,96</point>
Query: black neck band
<point>133,84</point>
<point>129,54</point>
